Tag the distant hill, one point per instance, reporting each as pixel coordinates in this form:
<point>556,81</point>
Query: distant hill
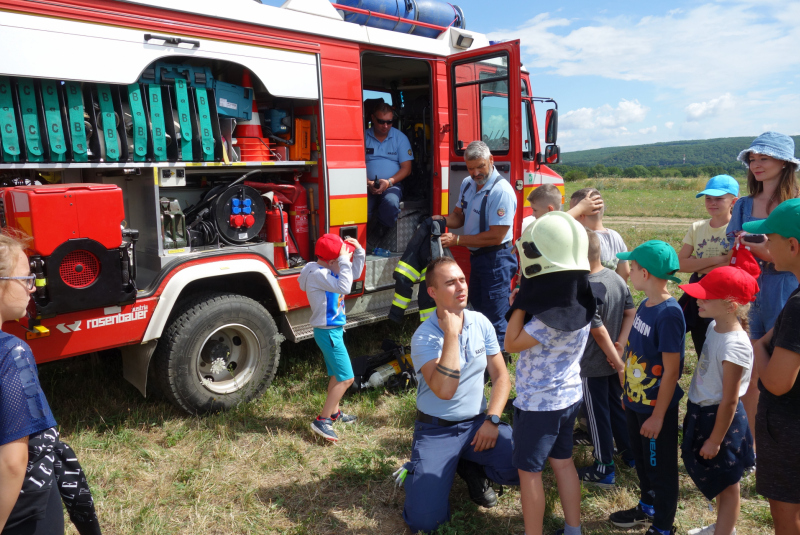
<point>698,152</point>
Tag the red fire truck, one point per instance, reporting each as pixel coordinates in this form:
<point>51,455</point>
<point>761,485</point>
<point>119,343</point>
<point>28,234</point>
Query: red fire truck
<point>174,162</point>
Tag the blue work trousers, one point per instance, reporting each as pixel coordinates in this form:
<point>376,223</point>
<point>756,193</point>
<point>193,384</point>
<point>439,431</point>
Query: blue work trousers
<point>387,204</point>
<point>434,457</point>
<point>490,285</point>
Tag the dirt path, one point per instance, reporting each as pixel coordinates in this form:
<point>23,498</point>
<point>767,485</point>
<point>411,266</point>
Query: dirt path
<point>666,222</point>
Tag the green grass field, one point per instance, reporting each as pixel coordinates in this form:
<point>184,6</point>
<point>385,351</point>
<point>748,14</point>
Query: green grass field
<point>259,469</point>
<point>645,197</point>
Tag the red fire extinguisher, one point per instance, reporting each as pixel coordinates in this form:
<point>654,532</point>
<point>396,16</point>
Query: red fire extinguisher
<point>276,231</point>
<point>298,219</point>
<point>295,200</point>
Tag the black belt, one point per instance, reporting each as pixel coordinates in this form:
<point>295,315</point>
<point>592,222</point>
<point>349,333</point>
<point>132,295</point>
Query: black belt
<point>428,419</point>
<point>490,249</point>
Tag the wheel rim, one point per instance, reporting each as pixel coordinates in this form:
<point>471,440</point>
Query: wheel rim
<point>227,359</point>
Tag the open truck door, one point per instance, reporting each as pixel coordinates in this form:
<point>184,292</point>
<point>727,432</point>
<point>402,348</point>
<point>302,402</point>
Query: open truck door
<point>484,103</point>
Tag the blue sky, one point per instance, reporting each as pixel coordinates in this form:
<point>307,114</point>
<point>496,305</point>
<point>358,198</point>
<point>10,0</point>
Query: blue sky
<point>629,72</point>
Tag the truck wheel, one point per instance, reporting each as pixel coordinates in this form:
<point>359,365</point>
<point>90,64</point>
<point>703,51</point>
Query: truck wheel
<point>218,351</point>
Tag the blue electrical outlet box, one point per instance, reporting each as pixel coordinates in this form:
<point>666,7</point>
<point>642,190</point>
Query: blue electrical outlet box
<point>233,100</point>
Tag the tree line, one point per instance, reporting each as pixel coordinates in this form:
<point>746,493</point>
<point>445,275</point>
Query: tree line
<point>571,173</point>
<point>672,154</point>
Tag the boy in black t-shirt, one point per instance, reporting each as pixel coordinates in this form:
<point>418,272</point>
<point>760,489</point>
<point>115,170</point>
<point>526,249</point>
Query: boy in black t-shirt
<point>777,357</point>
<point>653,365</point>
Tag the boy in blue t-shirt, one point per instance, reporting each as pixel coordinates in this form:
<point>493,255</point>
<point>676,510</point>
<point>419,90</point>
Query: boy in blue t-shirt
<point>653,365</point>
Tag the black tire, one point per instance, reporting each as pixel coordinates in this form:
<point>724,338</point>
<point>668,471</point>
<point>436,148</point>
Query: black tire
<point>200,373</point>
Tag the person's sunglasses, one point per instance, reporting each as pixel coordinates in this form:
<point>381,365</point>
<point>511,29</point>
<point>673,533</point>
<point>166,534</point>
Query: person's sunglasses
<point>30,280</point>
<point>383,122</point>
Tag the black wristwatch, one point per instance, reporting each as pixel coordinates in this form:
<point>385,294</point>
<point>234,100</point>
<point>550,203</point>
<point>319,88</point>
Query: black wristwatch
<point>495,419</point>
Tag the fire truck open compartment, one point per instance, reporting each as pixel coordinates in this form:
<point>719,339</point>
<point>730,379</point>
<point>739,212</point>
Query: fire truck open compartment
<point>186,127</point>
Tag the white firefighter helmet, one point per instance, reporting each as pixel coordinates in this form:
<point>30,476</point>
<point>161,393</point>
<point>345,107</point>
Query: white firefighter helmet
<point>554,242</point>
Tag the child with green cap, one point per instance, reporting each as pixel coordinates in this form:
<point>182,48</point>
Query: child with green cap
<point>777,358</point>
<point>653,365</point>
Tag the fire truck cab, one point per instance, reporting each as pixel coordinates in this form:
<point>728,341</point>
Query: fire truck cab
<point>174,162</point>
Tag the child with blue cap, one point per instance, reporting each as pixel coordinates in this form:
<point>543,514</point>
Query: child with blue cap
<point>706,246</point>
<point>771,180</point>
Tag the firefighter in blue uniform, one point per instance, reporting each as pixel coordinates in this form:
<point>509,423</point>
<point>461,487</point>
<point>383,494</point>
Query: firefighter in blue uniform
<point>485,210</point>
<point>388,158</point>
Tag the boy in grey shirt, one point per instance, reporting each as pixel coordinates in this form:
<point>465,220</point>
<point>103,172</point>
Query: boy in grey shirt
<point>602,372</point>
<point>611,242</point>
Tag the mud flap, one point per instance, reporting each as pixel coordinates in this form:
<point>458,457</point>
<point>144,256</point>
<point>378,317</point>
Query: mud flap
<point>136,362</point>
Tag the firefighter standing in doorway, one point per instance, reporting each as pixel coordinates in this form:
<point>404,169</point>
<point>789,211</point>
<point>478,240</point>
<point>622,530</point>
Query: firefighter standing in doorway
<point>486,212</point>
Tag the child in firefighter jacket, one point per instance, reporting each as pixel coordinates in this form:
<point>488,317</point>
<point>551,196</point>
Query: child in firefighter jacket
<point>326,282</point>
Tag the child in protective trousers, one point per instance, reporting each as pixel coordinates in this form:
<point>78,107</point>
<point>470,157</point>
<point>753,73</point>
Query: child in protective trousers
<point>653,365</point>
<point>548,326</point>
<point>717,445</point>
<point>326,282</point>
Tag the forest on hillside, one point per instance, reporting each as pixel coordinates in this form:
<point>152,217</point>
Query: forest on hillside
<point>707,157</point>
<point>697,152</point>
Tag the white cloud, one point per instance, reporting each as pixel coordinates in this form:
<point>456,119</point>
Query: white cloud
<point>699,51</point>
<point>711,108</point>
<point>669,124</point>
<point>648,130</point>
<point>606,117</point>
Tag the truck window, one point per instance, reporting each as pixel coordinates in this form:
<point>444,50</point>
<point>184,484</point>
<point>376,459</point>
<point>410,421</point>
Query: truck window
<point>482,104</point>
<point>527,132</point>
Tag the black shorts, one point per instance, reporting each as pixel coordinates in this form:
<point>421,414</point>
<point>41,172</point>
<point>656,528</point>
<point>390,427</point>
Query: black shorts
<point>778,465</point>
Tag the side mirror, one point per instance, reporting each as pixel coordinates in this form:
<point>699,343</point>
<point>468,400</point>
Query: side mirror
<point>552,154</point>
<point>551,127</point>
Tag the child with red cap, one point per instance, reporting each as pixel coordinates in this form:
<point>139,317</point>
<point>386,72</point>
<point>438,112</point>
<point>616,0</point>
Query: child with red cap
<point>717,444</point>
<point>326,282</point>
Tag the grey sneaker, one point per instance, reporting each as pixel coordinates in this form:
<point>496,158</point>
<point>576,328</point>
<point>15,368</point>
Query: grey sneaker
<point>344,418</point>
<point>324,428</point>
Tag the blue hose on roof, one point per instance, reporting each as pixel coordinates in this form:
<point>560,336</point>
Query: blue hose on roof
<point>428,11</point>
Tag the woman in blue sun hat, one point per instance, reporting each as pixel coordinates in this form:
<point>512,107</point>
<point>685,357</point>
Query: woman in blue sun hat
<point>771,179</point>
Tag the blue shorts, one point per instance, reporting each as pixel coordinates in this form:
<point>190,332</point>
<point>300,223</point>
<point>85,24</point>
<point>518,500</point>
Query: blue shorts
<point>735,454</point>
<point>337,359</point>
<point>542,434</point>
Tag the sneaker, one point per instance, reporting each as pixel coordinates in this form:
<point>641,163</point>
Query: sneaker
<point>706,530</point>
<point>344,418</point>
<point>324,428</point>
<point>598,475</point>
<point>630,463</point>
<point>653,531</point>
<point>581,438</point>
<point>631,518</point>
<point>480,491</point>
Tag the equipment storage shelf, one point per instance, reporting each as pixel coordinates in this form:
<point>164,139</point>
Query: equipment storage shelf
<point>133,165</point>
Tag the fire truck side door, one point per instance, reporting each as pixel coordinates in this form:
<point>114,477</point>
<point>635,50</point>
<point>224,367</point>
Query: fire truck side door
<point>485,105</point>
